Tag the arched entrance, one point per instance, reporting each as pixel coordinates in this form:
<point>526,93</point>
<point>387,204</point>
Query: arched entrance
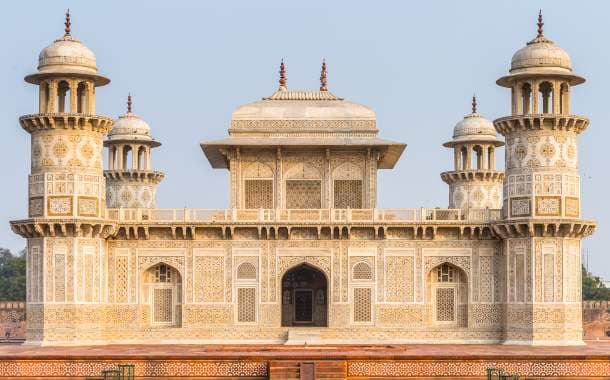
<point>447,295</point>
<point>162,287</point>
<point>304,297</point>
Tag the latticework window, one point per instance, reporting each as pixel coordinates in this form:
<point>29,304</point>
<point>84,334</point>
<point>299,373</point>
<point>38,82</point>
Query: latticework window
<point>348,193</point>
<point>445,304</point>
<point>163,273</point>
<point>445,273</point>
<point>303,194</point>
<point>362,271</point>
<point>162,305</point>
<point>246,305</point>
<point>246,271</point>
<point>362,304</point>
<point>258,193</point>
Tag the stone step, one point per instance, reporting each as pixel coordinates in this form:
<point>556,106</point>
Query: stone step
<point>303,336</point>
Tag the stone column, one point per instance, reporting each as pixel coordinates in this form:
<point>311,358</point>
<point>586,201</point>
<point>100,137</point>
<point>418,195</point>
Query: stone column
<point>456,158</point>
<point>492,158</point>
<point>484,155</point>
<point>468,157</point>
<point>42,97</point>
<point>91,98</point>
<point>52,104</point>
<point>556,96</point>
<point>134,157</point>
<point>535,91</point>
<point>111,153</point>
<point>73,95</point>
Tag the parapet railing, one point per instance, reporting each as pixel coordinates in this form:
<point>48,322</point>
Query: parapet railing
<point>303,215</point>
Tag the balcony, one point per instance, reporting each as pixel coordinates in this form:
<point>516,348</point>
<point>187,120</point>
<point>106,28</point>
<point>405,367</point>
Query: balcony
<point>303,216</point>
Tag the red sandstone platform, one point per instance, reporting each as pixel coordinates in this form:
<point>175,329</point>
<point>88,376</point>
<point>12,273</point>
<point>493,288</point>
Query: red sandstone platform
<point>275,361</point>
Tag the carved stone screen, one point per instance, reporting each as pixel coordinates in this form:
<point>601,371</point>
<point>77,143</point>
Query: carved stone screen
<point>246,305</point>
<point>259,193</point>
<point>445,304</point>
<point>303,194</point>
<point>162,305</point>
<point>362,304</point>
<point>348,193</point>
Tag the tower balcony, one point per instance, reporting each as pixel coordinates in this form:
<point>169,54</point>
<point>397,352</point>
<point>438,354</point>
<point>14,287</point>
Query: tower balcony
<point>74,121</point>
<point>559,122</point>
<point>473,175</point>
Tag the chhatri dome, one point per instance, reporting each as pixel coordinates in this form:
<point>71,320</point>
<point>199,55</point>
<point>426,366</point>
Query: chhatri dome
<point>130,126</point>
<point>474,128</point>
<point>67,55</point>
<point>540,56</point>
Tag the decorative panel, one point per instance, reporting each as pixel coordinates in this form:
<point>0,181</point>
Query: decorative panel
<point>348,193</point>
<point>486,278</point>
<point>121,276</point>
<point>59,280</point>
<point>548,205</point>
<point>399,279</point>
<point>303,194</point>
<point>246,305</point>
<point>445,304</point>
<point>258,194</point>
<point>362,302</point>
<point>162,305</point>
<point>209,279</point>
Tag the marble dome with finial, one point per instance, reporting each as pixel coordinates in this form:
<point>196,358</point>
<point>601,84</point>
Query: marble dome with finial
<point>131,127</point>
<point>474,128</point>
<point>540,56</point>
<point>67,55</point>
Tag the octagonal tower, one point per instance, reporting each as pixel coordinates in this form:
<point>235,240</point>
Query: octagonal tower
<point>542,227</point>
<point>67,197</point>
<point>131,183</point>
<point>474,182</point>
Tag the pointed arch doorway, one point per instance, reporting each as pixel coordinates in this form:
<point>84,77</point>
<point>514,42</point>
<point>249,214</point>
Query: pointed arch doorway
<point>304,297</point>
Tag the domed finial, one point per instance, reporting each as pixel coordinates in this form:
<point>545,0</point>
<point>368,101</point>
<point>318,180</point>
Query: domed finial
<point>474,103</point>
<point>129,103</point>
<point>540,24</point>
<point>282,75</point>
<point>323,82</point>
<point>67,23</point>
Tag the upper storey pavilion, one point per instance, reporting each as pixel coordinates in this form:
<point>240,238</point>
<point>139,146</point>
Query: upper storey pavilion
<point>303,150</point>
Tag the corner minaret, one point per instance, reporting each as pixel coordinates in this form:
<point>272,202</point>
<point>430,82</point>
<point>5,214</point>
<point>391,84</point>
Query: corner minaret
<point>67,221</point>
<point>474,183</point>
<point>131,183</point>
<point>542,227</point>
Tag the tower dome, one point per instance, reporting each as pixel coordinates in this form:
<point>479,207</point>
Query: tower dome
<point>130,126</point>
<point>474,128</point>
<point>540,56</point>
<point>67,55</point>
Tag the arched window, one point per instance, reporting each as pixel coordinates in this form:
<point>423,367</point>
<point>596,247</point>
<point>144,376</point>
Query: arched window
<point>81,98</point>
<point>545,91</point>
<point>447,292</point>
<point>526,96</point>
<point>127,157</point>
<point>162,289</point>
<point>464,154</point>
<point>362,271</point>
<point>246,271</point>
<point>142,165</point>
<point>63,92</point>
<point>477,159</point>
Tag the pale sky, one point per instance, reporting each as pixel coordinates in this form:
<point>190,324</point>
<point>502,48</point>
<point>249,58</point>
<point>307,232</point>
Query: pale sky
<point>188,64</point>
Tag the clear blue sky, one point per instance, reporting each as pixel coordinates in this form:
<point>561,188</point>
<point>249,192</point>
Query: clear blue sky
<point>188,64</point>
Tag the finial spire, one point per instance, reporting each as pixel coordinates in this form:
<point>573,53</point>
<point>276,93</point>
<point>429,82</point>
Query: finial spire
<point>282,75</point>
<point>540,24</point>
<point>323,81</point>
<point>67,23</point>
<point>474,103</point>
<point>129,103</point>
